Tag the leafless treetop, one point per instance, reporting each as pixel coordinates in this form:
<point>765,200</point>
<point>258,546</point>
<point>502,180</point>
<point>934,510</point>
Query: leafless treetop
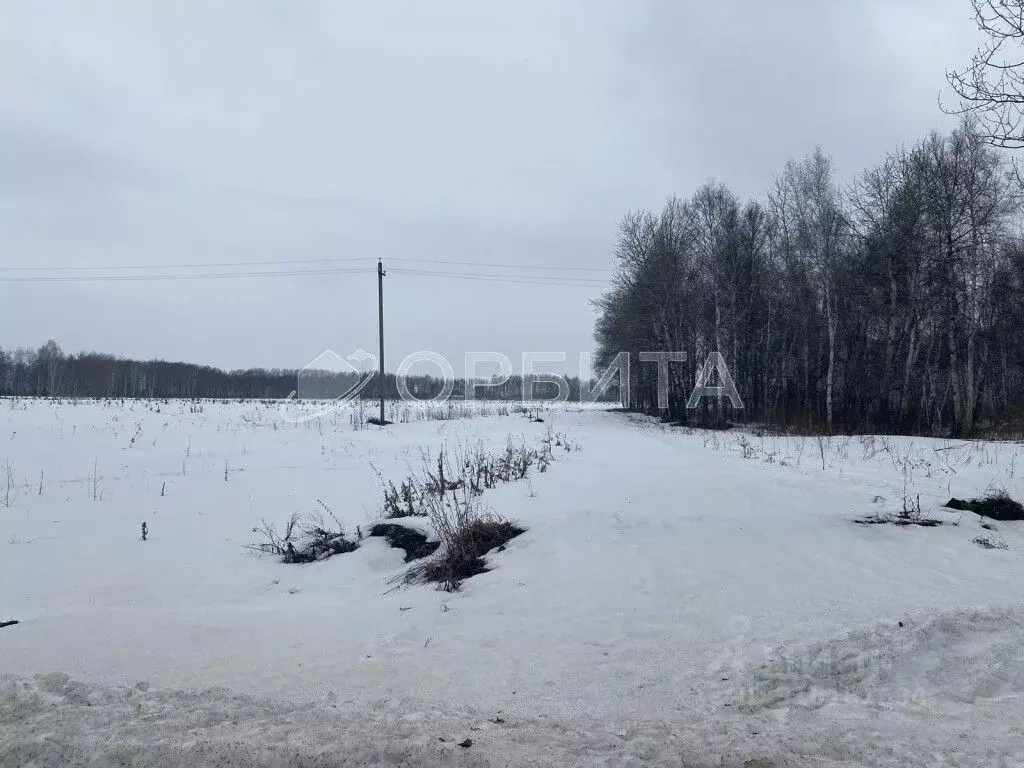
<point>991,87</point>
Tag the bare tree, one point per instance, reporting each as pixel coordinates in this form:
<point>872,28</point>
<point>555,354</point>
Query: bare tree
<point>814,227</point>
<point>991,87</point>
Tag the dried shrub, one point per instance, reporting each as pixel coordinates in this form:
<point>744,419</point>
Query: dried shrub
<point>474,469</point>
<point>271,542</point>
<point>910,514</point>
<point>306,539</point>
<point>464,550</point>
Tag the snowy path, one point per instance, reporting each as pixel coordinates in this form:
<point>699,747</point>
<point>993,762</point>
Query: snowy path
<point>631,619</point>
<point>945,692</point>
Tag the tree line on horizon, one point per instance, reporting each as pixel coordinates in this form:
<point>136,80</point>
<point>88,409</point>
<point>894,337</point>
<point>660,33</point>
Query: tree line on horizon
<point>49,372</point>
<point>893,303</point>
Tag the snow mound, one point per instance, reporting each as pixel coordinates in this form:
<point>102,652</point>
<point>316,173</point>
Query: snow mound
<point>961,657</point>
<point>944,690</point>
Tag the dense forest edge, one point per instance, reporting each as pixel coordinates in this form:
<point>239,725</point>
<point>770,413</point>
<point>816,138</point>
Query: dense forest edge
<point>894,303</point>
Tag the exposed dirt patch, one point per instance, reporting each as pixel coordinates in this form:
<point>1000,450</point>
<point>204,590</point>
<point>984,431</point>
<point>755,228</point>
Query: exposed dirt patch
<point>899,520</point>
<point>998,506</point>
<point>413,542</point>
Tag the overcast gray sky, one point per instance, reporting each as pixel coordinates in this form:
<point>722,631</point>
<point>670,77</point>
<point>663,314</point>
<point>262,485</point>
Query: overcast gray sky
<point>202,132</point>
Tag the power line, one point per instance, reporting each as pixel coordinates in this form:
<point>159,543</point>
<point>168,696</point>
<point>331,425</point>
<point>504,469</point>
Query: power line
<point>126,267</point>
<point>186,276</point>
<point>501,277</point>
<point>516,277</point>
<point>521,279</point>
<point>281,262</point>
<point>506,266</point>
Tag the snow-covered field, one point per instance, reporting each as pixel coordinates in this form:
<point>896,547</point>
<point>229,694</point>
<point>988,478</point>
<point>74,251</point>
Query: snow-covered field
<point>695,599</point>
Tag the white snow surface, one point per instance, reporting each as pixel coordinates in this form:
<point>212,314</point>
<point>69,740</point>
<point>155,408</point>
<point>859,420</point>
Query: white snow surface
<point>679,598</point>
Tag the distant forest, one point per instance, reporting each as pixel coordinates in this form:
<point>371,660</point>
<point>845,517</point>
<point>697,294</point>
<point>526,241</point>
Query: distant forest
<point>894,303</point>
<point>48,372</point>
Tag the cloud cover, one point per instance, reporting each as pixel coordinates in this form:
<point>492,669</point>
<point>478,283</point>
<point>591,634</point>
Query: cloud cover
<point>149,134</point>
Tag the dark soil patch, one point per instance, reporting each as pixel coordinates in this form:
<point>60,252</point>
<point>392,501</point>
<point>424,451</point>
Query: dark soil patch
<point>924,522</point>
<point>899,521</point>
<point>998,506</point>
<point>8,623</point>
<point>464,558</point>
<point>413,542</point>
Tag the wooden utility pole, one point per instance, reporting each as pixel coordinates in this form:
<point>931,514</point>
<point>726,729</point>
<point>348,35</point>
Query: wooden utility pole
<point>380,315</point>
